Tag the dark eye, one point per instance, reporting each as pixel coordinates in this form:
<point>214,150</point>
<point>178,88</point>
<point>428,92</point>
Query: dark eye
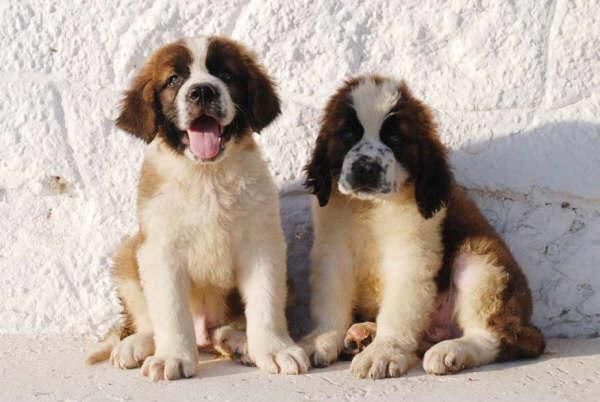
<point>392,132</point>
<point>393,138</point>
<point>173,80</point>
<point>348,136</point>
<point>225,76</point>
<point>352,131</point>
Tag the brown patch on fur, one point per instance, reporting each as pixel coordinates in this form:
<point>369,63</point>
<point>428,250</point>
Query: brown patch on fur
<point>138,108</point>
<point>126,278</point>
<point>149,184</point>
<point>125,269</point>
<point>411,133</point>
<point>252,88</point>
<point>467,230</point>
<point>328,155</point>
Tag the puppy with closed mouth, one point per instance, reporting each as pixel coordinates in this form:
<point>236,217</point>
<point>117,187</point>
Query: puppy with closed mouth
<point>400,249</point>
<point>210,248</point>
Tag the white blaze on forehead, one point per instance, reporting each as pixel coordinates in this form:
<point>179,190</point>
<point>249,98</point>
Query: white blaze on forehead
<point>198,47</point>
<point>372,103</point>
<point>199,74</point>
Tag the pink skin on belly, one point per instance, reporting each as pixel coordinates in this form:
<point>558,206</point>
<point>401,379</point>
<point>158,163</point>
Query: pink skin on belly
<point>442,325</point>
<point>204,325</point>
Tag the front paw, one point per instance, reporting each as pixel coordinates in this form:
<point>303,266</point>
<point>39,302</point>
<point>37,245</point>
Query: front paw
<point>278,355</point>
<point>381,359</point>
<point>322,347</point>
<point>159,367</point>
<point>447,357</point>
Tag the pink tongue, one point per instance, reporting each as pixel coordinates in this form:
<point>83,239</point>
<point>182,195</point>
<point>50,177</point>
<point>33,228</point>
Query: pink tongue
<point>204,134</point>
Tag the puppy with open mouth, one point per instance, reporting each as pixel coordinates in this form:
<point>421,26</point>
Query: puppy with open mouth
<point>210,245</point>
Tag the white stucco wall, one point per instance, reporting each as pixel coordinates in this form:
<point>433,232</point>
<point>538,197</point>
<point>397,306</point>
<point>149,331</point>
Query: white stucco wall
<point>515,87</point>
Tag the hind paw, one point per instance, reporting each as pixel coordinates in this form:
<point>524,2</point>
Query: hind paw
<point>232,342</point>
<point>358,337</point>
<point>132,351</point>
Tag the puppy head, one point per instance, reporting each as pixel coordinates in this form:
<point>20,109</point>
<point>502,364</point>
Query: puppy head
<point>375,139</point>
<point>200,95</point>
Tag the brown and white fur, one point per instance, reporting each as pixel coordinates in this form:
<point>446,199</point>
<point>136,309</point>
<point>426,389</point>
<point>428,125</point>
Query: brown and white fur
<point>210,240</point>
<point>398,242</point>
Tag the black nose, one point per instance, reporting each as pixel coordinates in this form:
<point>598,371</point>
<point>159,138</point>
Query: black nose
<point>202,93</point>
<point>365,173</point>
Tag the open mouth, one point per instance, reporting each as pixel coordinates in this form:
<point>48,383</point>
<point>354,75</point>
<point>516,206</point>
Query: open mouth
<point>205,136</point>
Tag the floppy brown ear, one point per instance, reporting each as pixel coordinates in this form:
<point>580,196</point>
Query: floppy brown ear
<point>137,115</point>
<point>318,173</point>
<point>434,178</point>
<point>264,104</point>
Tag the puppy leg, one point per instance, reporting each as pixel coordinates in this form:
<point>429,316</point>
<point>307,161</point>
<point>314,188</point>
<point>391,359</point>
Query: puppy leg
<point>131,351</point>
<point>408,299</point>
<point>262,284</point>
<point>135,348</point>
<point>166,289</point>
<point>480,285</point>
<point>332,290</point>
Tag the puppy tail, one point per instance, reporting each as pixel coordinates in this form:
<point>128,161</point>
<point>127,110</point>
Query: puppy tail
<point>531,342</point>
<point>101,351</point>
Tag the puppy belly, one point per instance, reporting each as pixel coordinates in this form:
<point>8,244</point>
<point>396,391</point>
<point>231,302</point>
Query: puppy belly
<point>441,325</point>
<point>204,327</point>
<point>210,309</point>
<point>368,293</point>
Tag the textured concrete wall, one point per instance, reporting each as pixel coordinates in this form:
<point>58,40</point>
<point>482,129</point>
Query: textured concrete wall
<point>514,86</point>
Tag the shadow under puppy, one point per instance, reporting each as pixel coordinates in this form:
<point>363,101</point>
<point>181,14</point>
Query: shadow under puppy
<point>208,213</point>
<point>398,241</point>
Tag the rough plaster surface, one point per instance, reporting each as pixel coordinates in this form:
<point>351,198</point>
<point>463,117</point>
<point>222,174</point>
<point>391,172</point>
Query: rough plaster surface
<point>515,88</point>
<point>52,370</point>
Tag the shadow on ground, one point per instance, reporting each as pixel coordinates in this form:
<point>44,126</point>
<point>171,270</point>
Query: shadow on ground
<point>215,367</point>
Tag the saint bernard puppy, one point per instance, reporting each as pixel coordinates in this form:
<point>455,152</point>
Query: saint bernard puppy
<point>399,243</point>
<point>210,243</point>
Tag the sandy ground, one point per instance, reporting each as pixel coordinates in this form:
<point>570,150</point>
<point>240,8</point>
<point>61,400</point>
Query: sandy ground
<point>52,370</point>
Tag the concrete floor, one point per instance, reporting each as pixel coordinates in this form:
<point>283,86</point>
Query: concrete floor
<point>53,370</point>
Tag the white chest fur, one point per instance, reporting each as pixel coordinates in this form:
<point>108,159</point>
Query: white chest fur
<point>392,237</point>
<point>198,210</point>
